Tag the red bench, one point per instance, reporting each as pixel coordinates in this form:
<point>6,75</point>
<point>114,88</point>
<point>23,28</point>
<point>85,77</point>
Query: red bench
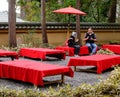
<point>5,53</point>
<point>70,51</point>
<point>41,53</point>
<point>100,61</point>
<point>32,71</point>
<point>114,48</point>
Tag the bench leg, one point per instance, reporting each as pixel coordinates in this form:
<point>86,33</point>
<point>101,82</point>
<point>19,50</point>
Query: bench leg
<point>62,78</point>
<point>74,68</point>
<point>56,81</point>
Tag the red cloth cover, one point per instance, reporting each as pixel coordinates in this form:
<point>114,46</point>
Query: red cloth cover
<point>101,61</point>
<point>41,53</point>
<point>67,49</point>
<point>114,48</point>
<point>83,50</point>
<point>31,71</point>
<point>8,53</point>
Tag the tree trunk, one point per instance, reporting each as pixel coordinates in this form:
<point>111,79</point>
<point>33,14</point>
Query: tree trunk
<point>43,22</point>
<point>78,23</point>
<point>12,24</point>
<point>112,11</point>
<point>118,12</point>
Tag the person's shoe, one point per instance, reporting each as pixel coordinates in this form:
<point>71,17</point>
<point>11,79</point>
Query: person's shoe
<point>76,55</point>
<point>91,53</point>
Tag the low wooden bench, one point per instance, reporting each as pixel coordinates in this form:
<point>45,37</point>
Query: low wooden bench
<point>114,48</point>
<point>5,53</point>
<point>32,71</point>
<point>70,51</point>
<point>100,61</point>
<point>41,53</point>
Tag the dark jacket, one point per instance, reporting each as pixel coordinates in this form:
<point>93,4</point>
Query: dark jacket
<point>90,36</point>
<point>71,41</point>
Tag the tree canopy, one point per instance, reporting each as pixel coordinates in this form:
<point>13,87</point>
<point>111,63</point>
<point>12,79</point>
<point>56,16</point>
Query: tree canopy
<point>97,10</point>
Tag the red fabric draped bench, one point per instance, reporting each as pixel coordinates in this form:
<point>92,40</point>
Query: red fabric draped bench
<point>5,53</point>
<point>41,53</point>
<point>32,71</point>
<point>70,51</point>
<point>113,48</point>
<point>101,61</point>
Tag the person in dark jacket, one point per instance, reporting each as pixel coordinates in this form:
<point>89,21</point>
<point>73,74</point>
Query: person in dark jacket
<point>90,39</point>
<point>72,42</point>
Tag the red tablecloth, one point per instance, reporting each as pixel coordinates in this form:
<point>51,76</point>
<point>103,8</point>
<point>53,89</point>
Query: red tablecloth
<point>83,50</point>
<point>114,48</point>
<point>41,53</point>
<point>5,53</point>
<point>67,49</point>
<point>31,71</point>
<point>102,62</point>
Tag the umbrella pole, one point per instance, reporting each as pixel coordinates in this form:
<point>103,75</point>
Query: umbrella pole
<point>68,29</point>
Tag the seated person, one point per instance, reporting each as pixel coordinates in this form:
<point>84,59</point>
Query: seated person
<point>73,43</point>
<point>90,39</point>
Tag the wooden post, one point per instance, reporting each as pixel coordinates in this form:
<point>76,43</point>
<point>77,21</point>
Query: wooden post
<point>12,24</point>
<point>78,23</point>
<point>43,22</point>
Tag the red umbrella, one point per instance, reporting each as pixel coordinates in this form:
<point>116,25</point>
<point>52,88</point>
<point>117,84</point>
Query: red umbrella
<point>69,10</point>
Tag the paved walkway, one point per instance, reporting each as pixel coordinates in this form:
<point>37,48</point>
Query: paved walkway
<point>79,77</point>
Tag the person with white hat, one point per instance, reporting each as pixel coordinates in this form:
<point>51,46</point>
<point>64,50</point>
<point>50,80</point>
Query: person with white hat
<point>73,43</point>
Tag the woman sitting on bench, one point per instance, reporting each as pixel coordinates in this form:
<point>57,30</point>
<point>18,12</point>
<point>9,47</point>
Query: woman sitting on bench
<point>73,43</point>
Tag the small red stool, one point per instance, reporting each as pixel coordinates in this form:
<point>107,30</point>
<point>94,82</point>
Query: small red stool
<point>84,50</point>
<point>69,50</point>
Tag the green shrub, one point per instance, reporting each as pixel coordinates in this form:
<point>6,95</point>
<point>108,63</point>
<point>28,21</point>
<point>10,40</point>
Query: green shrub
<point>23,46</point>
<point>114,42</point>
<point>30,38</point>
<point>16,48</point>
<point>105,51</point>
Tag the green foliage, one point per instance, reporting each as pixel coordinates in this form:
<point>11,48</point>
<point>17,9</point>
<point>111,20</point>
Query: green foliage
<point>114,42</point>
<point>32,10</point>
<point>110,85</point>
<point>53,5</point>
<point>22,2</point>
<point>15,48</point>
<point>97,10</point>
<point>83,90</point>
<point>105,51</point>
<point>30,38</point>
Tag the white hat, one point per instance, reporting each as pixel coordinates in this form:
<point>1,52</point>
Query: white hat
<point>74,34</point>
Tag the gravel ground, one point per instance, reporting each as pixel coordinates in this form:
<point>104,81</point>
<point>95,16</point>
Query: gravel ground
<point>79,77</point>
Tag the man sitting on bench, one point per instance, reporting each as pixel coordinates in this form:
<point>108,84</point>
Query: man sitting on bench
<point>90,40</point>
